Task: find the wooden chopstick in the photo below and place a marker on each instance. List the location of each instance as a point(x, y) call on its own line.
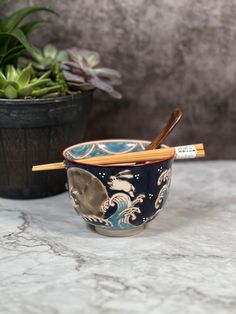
point(179, 152)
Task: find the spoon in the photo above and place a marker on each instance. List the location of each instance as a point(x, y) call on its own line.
point(160, 137)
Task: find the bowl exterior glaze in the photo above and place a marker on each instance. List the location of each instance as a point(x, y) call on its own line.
point(120, 198)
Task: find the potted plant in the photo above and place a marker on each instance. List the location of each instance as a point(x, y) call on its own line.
point(45, 99)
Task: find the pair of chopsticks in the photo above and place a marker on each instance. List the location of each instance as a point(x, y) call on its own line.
point(179, 152)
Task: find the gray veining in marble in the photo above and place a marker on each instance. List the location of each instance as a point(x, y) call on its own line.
point(184, 261)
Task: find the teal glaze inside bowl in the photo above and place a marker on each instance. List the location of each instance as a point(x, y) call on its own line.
point(103, 148)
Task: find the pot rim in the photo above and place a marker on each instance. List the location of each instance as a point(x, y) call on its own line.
point(36, 101)
point(113, 165)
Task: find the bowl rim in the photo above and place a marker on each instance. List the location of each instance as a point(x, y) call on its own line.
point(112, 165)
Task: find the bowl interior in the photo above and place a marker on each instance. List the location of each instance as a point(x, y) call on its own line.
point(103, 147)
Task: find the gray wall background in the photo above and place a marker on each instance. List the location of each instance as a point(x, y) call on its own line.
point(169, 53)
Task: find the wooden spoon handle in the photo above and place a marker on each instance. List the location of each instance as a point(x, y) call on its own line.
point(160, 137)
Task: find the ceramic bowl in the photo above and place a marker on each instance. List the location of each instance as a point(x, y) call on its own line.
point(118, 200)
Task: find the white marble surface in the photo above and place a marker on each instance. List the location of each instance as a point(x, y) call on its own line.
point(183, 262)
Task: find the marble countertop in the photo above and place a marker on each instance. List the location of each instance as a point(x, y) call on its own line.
point(183, 262)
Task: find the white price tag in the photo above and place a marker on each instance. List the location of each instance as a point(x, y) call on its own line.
point(185, 152)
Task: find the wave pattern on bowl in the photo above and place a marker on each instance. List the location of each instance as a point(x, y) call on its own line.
point(103, 148)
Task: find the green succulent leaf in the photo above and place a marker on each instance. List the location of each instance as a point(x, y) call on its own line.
point(40, 83)
point(11, 92)
point(13, 83)
point(29, 27)
point(13, 35)
point(52, 95)
point(2, 93)
point(12, 21)
point(48, 57)
point(23, 40)
point(50, 51)
point(16, 83)
point(20, 36)
point(25, 76)
point(62, 56)
point(44, 91)
point(4, 40)
point(59, 78)
point(11, 51)
point(3, 80)
point(45, 75)
point(11, 73)
point(12, 55)
point(26, 91)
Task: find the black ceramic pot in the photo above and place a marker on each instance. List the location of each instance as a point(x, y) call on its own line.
point(35, 131)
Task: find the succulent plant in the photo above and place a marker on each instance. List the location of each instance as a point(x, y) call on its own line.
point(81, 73)
point(49, 56)
point(13, 35)
point(49, 59)
point(17, 83)
point(51, 72)
point(59, 78)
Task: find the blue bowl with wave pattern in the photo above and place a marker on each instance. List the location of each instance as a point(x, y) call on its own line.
point(118, 200)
